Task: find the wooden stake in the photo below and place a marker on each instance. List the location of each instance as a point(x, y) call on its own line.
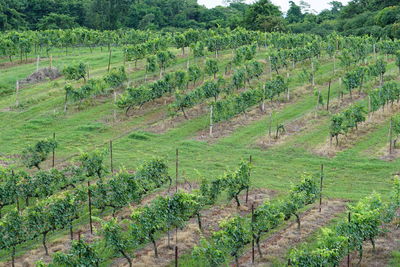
point(247, 190)
point(252, 230)
point(329, 95)
point(54, 151)
point(16, 94)
point(211, 121)
point(176, 170)
point(109, 60)
point(115, 101)
point(37, 62)
point(111, 157)
point(348, 250)
point(90, 208)
point(390, 136)
point(270, 125)
point(320, 190)
point(176, 256)
point(51, 61)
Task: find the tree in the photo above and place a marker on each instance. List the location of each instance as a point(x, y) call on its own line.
point(115, 240)
point(76, 72)
point(32, 156)
point(54, 21)
point(13, 232)
point(260, 11)
point(93, 163)
point(233, 236)
point(266, 217)
point(211, 67)
point(294, 14)
point(81, 253)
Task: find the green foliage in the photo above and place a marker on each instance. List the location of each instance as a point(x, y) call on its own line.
point(76, 72)
point(366, 219)
point(81, 253)
point(32, 156)
point(93, 163)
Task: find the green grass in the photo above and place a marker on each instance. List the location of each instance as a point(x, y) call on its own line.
point(352, 174)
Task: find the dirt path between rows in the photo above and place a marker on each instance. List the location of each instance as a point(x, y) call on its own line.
point(64, 243)
point(275, 247)
point(190, 235)
point(373, 122)
point(226, 128)
point(307, 122)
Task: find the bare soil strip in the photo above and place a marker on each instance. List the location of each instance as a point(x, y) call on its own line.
point(190, 235)
point(64, 243)
point(275, 247)
point(307, 122)
point(384, 245)
point(226, 128)
point(373, 122)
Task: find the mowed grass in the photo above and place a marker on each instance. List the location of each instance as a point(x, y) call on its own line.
point(352, 174)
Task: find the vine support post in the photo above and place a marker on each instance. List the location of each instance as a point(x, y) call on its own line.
point(37, 62)
point(390, 136)
point(211, 121)
point(109, 60)
point(270, 125)
point(54, 151)
point(176, 170)
point(16, 94)
point(252, 230)
point(111, 157)
point(51, 61)
point(247, 189)
point(176, 256)
point(320, 189)
point(115, 110)
point(329, 95)
point(348, 249)
point(90, 208)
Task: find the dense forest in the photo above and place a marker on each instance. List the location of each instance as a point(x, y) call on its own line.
point(378, 18)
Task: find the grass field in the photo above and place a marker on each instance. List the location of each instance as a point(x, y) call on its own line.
point(352, 174)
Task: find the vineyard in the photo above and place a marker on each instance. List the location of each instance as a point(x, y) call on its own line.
point(198, 148)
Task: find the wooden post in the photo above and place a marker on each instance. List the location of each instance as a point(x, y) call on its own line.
point(111, 157)
point(51, 61)
point(90, 208)
point(16, 94)
point(109, 60)
point(176, 256)
point(312, 73)
point(329, 95)
point(270, 125)
point(320, 189)
point(54, 151)
point(390, 136)
point(211, 121)
point(247, 190)
point(252, 230)
point(115, 101)
point(37, 62)
point(348, 250)
point(176, 170)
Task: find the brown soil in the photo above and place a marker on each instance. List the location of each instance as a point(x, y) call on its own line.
point(307, 122)
point(275, 247)
point(373, 122)
point(63, 243)
point(190, 235)
point(384, 246)
point(15, 62)
point(226, 128)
